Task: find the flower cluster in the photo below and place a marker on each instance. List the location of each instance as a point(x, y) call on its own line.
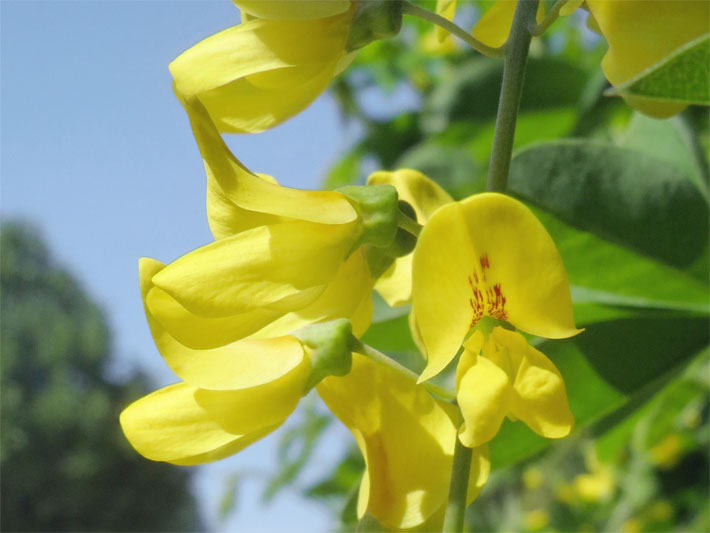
point(275, 305)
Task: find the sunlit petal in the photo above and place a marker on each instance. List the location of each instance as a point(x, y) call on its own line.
point(396, 425)
point(280, 267)
point(186, 425)
point(239, 200)
point(440, 290)
point(293, 9)
point(485, 395)
point(540, 399)
point(259, 73)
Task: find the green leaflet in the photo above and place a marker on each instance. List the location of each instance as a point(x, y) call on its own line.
point(623, 195)
point(683, 76)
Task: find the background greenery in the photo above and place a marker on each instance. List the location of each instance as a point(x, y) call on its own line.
point(65, 463)
point(625, 198)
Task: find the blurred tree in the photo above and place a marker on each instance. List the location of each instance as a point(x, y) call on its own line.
point(65, 464)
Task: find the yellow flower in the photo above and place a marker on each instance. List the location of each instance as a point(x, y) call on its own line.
point(407, 439)
point(505, 376)
point(282, 258)
point(425, 196)
point(255, 75)
point(194, 346)
point(232, 394)
point(667, 452)
point(596, 485)
point(536, 519)
point(187, 425)
point(642, 32)
point(487, 255)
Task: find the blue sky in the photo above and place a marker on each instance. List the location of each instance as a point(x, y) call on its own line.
point(98, 153)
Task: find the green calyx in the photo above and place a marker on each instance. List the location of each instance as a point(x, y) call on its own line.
point(329, 347)
point(486, 324)
point(380, 258)
point(377, 206)
point(373, 20)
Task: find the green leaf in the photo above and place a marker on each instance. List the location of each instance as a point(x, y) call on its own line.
point(605, 273)
point(531, 126)
point(619, 194)
point(683, 76)
point(472, 91)
point(670, 141)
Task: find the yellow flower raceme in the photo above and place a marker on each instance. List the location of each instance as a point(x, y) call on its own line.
point(640, 33)
point(504, 376)
point(255, 75)
point(487, 255)
point(407, 439)
point(425, 196)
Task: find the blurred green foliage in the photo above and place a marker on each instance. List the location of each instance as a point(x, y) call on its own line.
point(65, 463)
point(625, 198)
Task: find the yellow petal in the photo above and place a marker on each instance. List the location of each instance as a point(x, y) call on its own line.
point(235, 194)
point(259, 73)
point(199, 332)
point(425, 196)
point(186, 425)
point(237, 365)
point(487, 256)
point(493, 27)
point(659, 27)
point(485, 395)
point(348, 295)
point(395, 285)
point(396, 425)
point(293, 9)
point(282, 267)
point(441, 267)
point(225, 218)
point(416, 335)
point(447, 9)
point(540, 399)
point(413, 187)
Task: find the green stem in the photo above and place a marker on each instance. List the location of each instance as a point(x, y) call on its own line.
point(453, 29)
point(409, 225)
point(458, 486)
point(379, 357)
point(516, 57)
point(551, 17)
